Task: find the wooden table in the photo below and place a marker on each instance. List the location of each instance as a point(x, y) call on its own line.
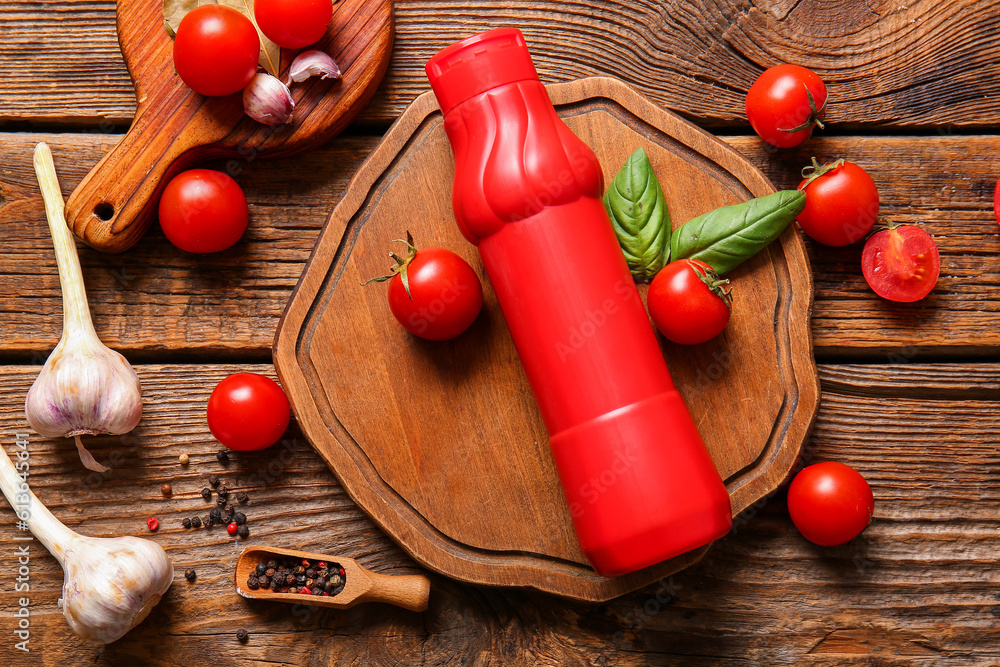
point(910, 392)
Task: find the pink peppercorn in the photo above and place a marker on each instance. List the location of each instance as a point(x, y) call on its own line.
point(232, 528)
point(152, 524)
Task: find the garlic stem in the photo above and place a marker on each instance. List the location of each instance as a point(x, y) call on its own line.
point(76, 313)
point(41, 522)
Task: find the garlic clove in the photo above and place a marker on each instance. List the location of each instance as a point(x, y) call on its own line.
point(267, 100)
point(111, 584)
point(313, 63)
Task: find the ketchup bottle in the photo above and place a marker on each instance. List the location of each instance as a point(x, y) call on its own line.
point(640, 485)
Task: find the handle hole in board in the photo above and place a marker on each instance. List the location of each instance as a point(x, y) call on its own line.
point(104, 211)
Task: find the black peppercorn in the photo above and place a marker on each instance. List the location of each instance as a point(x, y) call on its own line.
point(242, 635)
point(243, 498)
point(206, 493)
point(222, 455)
point(213, 480)
point(223, 490)
point(275, 584)
point(186, 522)
point(228, 509)
point(190, 575)
point(215, 515)
point(300, 580)
point(299, 570)
point(243, 531)
point(240, 518)
point(272, 564)
point(311, 573)
point(196, 522)
point(270, 572)
point(253, 583)
point(207, 520)
point(261, 569)
point(289, 580)
point(220, 501)
point(329, 586)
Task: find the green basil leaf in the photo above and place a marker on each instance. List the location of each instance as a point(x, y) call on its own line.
point(638, 212)
point(728, 236)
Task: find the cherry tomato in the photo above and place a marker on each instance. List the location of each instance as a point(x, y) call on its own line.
point(293, 23)
point(785, 103)
point(203, 210)
point(830, 503)
point(216, 50)
point(996, 202)
point(841, 204)
point(443, 296)
point(247, 412)
point(688, 302)
point(901, 263)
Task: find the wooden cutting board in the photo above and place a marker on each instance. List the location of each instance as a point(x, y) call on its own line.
point(441, 443)
point(175, 128)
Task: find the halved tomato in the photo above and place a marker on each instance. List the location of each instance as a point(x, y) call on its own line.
point(901, 263)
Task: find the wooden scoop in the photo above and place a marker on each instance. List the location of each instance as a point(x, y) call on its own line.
point(362, 585)
point(175, 128)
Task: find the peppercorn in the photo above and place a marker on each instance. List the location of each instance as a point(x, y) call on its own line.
point(300, 580)
point(232, 528)
point(299, 570)
point(310, 572)
point(261, 568)
point(253, 583)
point(220, 501)
point(222, 455)
point(240, 518)
point(196, 522)
point(264, 581)
point(223, 490)
point(329, 586)
point(166, 489)
point(215, 514)
point(213, 480)
point(186, 522)
point(242, 635)
point(317, 591)
point(242, 497)
point(321, 565)
point(335, 580)
point(190, 575)
point(272, 564)
point(270, 572)
point(152, 523)
point(207, 521)
point(243, 531)
point(275, 584)
point(184, 459)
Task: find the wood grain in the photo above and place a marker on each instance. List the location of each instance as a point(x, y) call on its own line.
point(887, 64)
point(155, 302)
point(175, 128)
point(917, 588)
point(408, 425)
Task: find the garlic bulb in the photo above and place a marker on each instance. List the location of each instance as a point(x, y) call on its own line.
point(84, 387)
point(267, 100)
point(110, 584)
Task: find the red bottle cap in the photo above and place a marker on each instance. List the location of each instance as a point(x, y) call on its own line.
point(477, 64)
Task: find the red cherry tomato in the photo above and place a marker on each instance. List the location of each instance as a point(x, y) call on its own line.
point(445, 295)
point(216, 50)
point(830, 503)
point(247, 412)
point(785, 103)
point(688, 302)
point(203, 210)
point(996, 202)
point(901, 263)
point(293, 23)
point(841, 204)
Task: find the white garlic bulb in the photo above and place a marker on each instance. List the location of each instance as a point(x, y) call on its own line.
point(110, 584)
point(84, 387)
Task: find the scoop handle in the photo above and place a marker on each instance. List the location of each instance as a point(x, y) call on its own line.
point(409, 591)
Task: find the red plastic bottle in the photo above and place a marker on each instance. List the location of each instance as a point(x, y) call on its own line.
point(640, 484)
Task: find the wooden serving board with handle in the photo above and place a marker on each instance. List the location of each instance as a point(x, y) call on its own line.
point(441, 443)
point(175, 128)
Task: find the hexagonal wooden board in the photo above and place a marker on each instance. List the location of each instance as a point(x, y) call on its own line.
point(441, 443)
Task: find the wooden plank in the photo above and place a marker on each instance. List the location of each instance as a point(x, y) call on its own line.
point(921, 585)
point(155, 301)
point(887, 64)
